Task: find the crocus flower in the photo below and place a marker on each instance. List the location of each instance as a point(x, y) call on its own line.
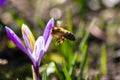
point(33, 49)
point(3, 2)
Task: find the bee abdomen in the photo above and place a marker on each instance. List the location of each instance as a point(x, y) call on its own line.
point(70, 36)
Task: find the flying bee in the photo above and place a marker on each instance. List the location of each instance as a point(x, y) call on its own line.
point(61, 34)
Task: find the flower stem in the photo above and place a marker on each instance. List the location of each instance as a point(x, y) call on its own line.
point(35, 72)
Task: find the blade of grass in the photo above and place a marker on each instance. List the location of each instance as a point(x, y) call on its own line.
point(69, 19)
point(67, 48)
point(97, 77)
point(83, 42)
point(82, 65)
point(66, 73)
point(44, 76)
point(82, 7)
point(87, 78)
point(73, 63)
point(80, 31)
point(20, 21)
point(41, 23)
point(58, 72)
point(103, 60)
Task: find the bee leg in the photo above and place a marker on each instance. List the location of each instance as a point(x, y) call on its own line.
point(63, 38)
point(60, 41)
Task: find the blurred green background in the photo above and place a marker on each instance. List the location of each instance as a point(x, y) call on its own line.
point(94, 55)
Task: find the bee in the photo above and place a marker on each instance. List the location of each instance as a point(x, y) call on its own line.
point(61, 34)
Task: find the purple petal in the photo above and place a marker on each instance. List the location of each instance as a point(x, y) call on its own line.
point(15, 39)
point(48, 42)
point(3, 2)
point(47, 30)
point(39, 47)
point(40, 56)
point(28, 38)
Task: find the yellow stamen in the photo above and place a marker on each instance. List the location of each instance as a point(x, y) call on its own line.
point(30, 38)
point(32, 41)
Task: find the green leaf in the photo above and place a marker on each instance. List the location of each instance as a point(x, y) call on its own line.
point(44, 76)
point(80, 30)
point(82, 7)
point(66, 73)
point(73, 63)
point(58, 72)
point(84, 60)
point(103, 60)
point(41, 23)
point(69, 19)
point(20, 21)
point(97, 77)
point(67, 51)
point(83, 42)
